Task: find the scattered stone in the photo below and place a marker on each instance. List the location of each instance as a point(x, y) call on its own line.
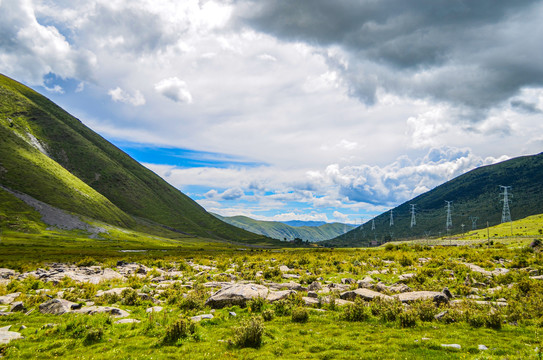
point(22, 327)
point(127, 321)
point(113, 311)
point(115, 291)
point(236, 294)
point(539, 277)
point(409, 297)
point(279, 295)
point(447, 293)
point(348, 281)
point(482, 347)
point(425, 339)
point(365, 283)
point(7, 336)
point(154, 309)
point(291, 276)
point(405, 277)
point(441, 315)
point(5, 328)
point(199, 318)
point(289, 286)
point(365, 294)
point(58, 306)
point(399, 288)
point(9, 298)
point(233, 314)
point(312, 294)
point(314, 286)
point(284, 268)
point(454, 346)
point(17, 306)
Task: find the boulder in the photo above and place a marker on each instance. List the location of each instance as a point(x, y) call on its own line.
point(279, 295)
point(347, 281)
point(399, 288)
point(9, 298)
point(409, 297)
point(17, 306)
point(405, 277)
point(113, 311)
point(115, 291)
point(314, 286)
point(199, 318)
point(284, 268)
point(236, 294)
point(288, 286)
point(154, 309)
point(58, 306)
point(365, 294)
point(7, 336)
point(127, 321)
point(365, 283)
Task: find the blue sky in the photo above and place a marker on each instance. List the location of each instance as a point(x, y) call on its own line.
point(282, 110)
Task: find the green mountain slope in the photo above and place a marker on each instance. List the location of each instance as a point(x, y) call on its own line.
point(281, 231)
point(476, 194)
point(52, 156)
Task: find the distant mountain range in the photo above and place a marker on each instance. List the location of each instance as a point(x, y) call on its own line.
point(476, 198)
point(282, 231)
point(51, 156)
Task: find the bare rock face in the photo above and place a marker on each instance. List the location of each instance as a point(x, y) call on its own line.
point(365, 294)
point(237, 294)
point(409, 297)
point(58, 306)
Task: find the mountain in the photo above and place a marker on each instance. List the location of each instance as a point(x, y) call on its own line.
point(477, 200)
point(281, 231)
point(51, 156)
point(299, 223)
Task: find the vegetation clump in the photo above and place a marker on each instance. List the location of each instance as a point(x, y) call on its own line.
point(249, 333)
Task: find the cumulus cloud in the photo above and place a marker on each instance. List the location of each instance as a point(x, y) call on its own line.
point(229, 194)
point(174, 89)
point(29, 50)
point(464, 53)
point(120, 95)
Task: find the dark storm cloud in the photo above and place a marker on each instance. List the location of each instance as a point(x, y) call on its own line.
point(474, 54)
point(526, 107)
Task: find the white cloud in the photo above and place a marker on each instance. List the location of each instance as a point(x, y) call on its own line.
point(174, 89)
point(120, 95)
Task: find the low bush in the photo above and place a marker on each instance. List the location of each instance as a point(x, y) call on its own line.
point(178, 330)
point(408, 318)
point(358, 311)
point(256, 305)
point(386, 310)
point(268, 314)
point(249, 333)
point(300, 315)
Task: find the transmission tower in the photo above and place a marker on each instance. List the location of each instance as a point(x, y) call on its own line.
point(473, 222)
point(391, 217)
point(373, 224)
point(413, 220)
point(506, 213)
point(448, 225)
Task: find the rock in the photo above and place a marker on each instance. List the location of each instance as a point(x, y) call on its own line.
point(409, 297)
point(291, 276)
point(365, 283)
point(199, 318)
point(314, 286)
point(233, 314)
point(289, 286)
point(312, 294)
point(127, 321)
point(17, 306)
point(9, 298)
point(482, 347)
point(58, 306)
point(454, 346)
point(7, 336)
point(115, 291)
point(7, 273)
point(216, 284)
point(365, 294)
point(441, 315)
point(309, 301)
point(154, 309)
point(447, 293)
point(279, 295)
point(284, 268)
point(113, 311)
point(405, 277)
point(22, 327)
point(399, 288)
point(5, 328)
point(347, 281)
point(237, 294)
point(539, 277)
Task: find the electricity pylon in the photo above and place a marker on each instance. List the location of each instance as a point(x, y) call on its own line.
point(413, 219)
point(506, 213)
point(448, 225)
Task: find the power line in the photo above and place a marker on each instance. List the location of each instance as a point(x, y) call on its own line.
point(506, 213)
point(413, 219)
point(448, 225)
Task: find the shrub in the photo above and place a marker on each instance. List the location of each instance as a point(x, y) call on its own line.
point(268, 314)
point(282, 307)
point(256, 305)
point(408, 318)
point(179, 329)
point(249, 334)
point(475, 319)
point(93, 336)
point(425, 310)
point(358, 311)
point(300, 315)
point(130, 297)
point(494, 320)
point(385, 309)
point(405, 261)
point(193, 301)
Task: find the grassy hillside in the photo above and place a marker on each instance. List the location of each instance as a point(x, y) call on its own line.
point(474, 194)
point(281, 231)
point(52, 156)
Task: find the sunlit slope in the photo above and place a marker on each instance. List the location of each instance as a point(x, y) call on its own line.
point(476, 194)
point(278, 230)
point(52, 156)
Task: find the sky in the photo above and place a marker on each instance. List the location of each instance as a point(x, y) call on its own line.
point(280, 110)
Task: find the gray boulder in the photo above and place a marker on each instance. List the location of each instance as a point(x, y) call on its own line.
point(7, 336)
point(314, 286)
point(279, 295)
point(9, 298)
point(17, 306)
point(365, 294)
point(237, 294)
point(113, 311)
point(409, 297)
point(58, 306)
